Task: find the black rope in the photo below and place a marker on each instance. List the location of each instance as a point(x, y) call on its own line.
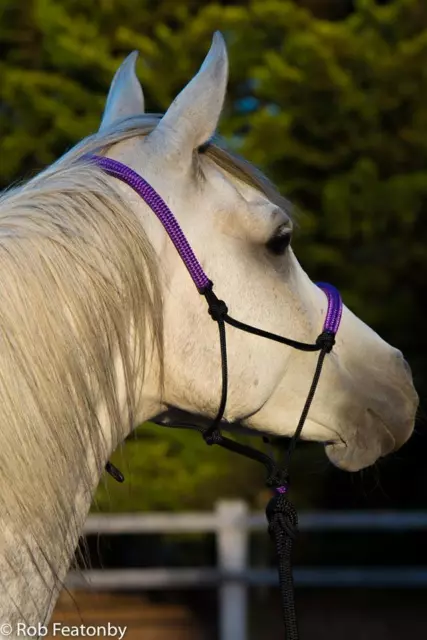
point(218, 309)
point(213, 429)
point(114, 472)
point(327, 343)
point(283, 529)
point(302, 346)
point(218, 312)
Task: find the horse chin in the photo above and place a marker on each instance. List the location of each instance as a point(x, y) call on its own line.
point(350, 457)
point(361, 448)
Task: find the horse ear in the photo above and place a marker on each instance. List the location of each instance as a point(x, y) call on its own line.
point(125, 97)
point(193, 116)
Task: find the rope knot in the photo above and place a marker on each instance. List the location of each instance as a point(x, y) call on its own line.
point(277, 478)
point(326, 341)
point(217, 309)
point(212, 437)
point(282, 517)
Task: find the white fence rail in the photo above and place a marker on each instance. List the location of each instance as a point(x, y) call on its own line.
point(232, 523)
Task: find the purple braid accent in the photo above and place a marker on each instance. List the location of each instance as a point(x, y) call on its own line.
point(156, 203)
point(334, 313)
point(282, 489)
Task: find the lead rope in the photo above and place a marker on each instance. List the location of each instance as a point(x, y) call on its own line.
point(282, 518)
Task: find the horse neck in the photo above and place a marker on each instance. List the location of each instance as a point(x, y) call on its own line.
point(33, 567)
point(32, 570)
point(34, 560)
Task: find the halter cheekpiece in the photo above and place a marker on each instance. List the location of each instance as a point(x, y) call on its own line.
point(281, 514)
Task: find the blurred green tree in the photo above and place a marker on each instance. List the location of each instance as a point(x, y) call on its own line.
point(332, 110)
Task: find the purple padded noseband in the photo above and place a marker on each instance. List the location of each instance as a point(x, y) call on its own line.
point(334, 312)
point(127, 175)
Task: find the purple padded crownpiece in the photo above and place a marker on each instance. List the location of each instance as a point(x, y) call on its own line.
point(159, 207)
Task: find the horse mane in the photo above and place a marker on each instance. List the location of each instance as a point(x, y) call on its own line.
point(79, 291)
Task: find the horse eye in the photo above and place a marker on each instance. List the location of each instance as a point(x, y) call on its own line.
point(280, 241)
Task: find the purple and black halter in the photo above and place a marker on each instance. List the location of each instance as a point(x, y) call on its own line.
point(281, 514)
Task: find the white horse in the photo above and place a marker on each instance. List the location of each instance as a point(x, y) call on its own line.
point(101, 327)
